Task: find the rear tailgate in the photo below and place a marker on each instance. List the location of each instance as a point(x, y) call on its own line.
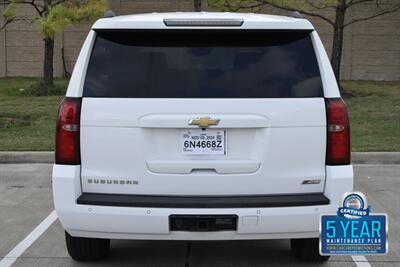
point(144, 89)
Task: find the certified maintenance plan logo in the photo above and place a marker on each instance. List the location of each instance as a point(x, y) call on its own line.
point(353, 230)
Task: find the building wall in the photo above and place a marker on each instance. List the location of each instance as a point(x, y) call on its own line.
point(371, 49)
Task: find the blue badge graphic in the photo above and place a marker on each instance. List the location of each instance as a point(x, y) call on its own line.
point(353, 230)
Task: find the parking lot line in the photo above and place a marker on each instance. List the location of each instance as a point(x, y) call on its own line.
point(361, 261)
point(17, 251)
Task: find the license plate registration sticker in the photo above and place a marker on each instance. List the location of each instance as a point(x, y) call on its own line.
point(204, 142)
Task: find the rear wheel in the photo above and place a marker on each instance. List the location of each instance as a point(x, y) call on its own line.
point(86, 249)
point(307, 249)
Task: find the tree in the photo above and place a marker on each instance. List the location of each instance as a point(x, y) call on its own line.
point(52, 16)
point(319, 9)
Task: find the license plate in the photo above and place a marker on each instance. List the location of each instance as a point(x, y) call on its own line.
point(203, 142)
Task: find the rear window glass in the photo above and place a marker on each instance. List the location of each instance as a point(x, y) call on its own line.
point(203, 64)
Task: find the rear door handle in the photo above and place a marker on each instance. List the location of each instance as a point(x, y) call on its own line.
point(188, 166)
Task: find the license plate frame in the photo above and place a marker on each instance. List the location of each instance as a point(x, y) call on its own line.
point(204, 142)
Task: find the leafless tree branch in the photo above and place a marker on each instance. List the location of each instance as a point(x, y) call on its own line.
point(392, 10)
point(21, 18)
point(38, 7)
point(356, 2)
point(5, 24)
point(316, 6)
point(305, 12)
point(238, 7)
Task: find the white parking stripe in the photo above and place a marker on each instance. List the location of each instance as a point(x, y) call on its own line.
point(361, 261)
point(11, 257)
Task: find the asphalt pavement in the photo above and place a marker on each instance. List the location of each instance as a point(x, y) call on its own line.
point(26, 200)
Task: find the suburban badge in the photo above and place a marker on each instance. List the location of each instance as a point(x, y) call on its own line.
point(112, 181)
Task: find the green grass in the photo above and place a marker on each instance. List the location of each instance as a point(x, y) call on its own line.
point(28, 122)
point(374, 111)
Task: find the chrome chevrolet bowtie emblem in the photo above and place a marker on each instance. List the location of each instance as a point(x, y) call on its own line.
point(204, 122)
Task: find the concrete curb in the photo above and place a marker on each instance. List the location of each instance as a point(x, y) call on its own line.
point(27, 157)
point(375, 157)
point(48, 157)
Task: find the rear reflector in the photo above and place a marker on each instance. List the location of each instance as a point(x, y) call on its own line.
point(338, 132)
point(203, 22)
point(67, 134)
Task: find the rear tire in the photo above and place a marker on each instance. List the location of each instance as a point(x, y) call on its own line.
point(87, 249)
point(307, 250)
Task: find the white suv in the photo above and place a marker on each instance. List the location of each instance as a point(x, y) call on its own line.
point(200, 126)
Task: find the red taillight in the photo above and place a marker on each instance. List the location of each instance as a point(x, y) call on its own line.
point(67, 135)
point(338, 132)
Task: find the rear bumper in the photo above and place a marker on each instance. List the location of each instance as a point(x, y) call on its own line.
point(127, 222)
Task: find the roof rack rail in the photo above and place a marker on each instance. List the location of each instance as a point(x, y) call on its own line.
point(109, 14)
point(296, 15)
